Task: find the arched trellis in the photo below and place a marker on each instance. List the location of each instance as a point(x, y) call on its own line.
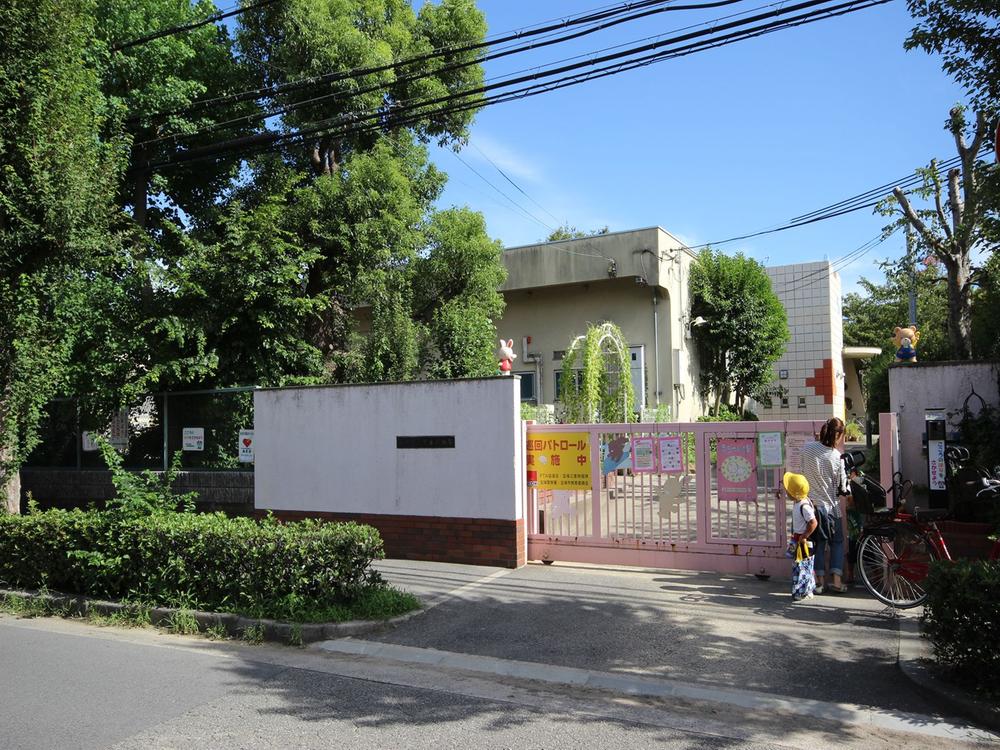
point(592, 399)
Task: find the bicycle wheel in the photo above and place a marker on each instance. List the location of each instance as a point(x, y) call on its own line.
point(893, 568)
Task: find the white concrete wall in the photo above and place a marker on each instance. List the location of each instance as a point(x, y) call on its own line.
point(333, 449)
point(915, 388)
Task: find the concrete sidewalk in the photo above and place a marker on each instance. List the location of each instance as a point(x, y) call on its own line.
point(719, 632)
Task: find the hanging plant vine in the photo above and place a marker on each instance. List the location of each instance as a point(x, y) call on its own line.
point(603, 354)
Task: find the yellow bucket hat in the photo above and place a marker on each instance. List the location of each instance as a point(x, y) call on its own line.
point(796, 485)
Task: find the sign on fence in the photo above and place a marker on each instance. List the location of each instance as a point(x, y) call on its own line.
point(246, 446)
point(559, 461)
point(193, 438)
point(737, 462)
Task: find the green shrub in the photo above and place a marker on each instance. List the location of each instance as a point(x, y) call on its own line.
point(199, 561)
point(962, 619)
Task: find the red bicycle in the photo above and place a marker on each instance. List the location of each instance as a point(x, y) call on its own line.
point(897, 547)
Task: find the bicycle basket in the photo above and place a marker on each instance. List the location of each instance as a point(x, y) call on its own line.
point(869, 495)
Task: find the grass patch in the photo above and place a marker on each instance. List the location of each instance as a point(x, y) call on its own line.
point(373, 603)
point(28, 606)
point(216, 632)
point(183, 622)
point(254, 635)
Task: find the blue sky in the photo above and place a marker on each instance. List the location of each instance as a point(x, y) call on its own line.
point(714, 145)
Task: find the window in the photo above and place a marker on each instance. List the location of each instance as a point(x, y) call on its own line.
point(528, 386)
point(557, 379)
point(768, 403)
point(802, 402)
point(784, 403)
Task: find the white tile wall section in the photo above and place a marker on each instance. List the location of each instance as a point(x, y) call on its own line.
point(810, 293)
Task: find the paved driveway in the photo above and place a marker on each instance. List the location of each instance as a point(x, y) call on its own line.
point(718, 630)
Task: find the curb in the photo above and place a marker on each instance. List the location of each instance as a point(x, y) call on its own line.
point(915, 661)
point(291, 633)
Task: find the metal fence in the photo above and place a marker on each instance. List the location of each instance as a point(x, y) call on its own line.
point(641, 508)
point(210, 429)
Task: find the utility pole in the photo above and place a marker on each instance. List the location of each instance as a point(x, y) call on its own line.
point(911, 267)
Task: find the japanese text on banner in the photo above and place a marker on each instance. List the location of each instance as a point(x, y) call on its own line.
point(559, 460)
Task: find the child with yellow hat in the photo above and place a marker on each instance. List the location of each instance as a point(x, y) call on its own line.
point(803, 525)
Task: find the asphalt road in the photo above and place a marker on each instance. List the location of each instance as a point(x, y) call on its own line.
point(69, 684)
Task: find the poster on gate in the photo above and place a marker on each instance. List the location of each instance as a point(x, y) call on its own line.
point(559, 460)
point(794, 441)
point(643, 455)
point(736, 459)
point(671, 455)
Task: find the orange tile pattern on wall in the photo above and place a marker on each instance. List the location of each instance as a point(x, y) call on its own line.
point(822, 381)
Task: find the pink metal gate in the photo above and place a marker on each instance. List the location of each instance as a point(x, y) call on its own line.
point(656, 496)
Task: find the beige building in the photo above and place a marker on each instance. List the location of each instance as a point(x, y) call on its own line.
point(638, 280)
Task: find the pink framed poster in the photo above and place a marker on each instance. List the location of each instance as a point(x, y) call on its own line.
point(736, 459)
point(643, 457)
point(671, 455)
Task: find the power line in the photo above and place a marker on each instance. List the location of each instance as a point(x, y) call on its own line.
point(399, 116)
point(483, 178)
point(838, 265)
point(504, 175)
point(427, 73)
point(253, 94)
point(216, 17)
point(848, 205)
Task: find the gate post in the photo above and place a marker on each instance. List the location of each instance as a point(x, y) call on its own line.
point(595, 479)
point(703, 482)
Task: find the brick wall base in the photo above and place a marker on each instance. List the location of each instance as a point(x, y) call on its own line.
point(472, 541)
point(228, 491)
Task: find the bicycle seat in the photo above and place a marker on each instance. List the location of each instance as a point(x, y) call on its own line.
point(883, 513)
point(930, 514)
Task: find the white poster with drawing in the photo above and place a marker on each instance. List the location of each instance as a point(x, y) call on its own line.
point(193, 439)
point(246, 446)
point(769, 449)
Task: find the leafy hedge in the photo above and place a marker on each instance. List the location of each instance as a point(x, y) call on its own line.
point(962, 619)
point(198, 561)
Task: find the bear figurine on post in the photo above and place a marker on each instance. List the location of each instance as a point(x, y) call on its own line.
point(906, 343)
point(507, 356)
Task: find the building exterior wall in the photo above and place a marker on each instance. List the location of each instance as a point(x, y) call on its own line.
point(812, 368)
point(333, 452)
point(636, 279)
point(921, 386)
point(554, 290)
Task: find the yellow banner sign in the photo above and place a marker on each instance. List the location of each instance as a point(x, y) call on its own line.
point(559, 460)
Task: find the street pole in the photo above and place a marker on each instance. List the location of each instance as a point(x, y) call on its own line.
point(911, 267)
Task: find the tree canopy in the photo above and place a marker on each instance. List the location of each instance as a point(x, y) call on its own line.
point(233, 205)
point(57, 223)
point(966, 33)
point(746, 328)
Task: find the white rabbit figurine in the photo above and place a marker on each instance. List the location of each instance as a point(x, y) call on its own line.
point(507, 356)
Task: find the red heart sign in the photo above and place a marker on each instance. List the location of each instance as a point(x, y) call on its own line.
point(246, 442)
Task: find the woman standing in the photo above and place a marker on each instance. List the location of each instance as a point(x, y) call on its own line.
point(822, 467)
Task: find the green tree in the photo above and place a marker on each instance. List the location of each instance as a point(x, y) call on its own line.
point(57, 219)
point(952, 228)
point(567, 232)
point(965, 34)
point(746, 329)
point(871, 314)
point(155, 84)
point(302, 40)
point(456, 283)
